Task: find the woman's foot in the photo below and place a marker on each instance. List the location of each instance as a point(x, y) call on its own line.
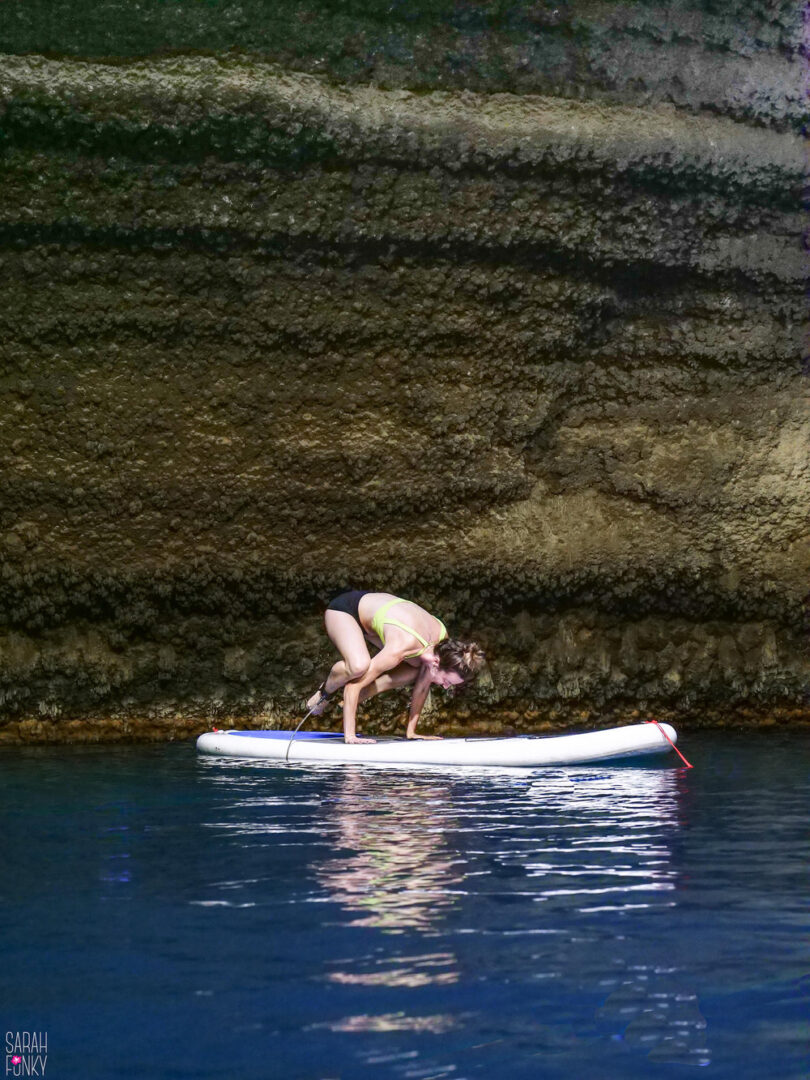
point(318, 702)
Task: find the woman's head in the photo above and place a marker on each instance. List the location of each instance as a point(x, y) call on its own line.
point(457, 662)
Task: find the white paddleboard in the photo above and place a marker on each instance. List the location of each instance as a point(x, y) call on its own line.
point(523, 751)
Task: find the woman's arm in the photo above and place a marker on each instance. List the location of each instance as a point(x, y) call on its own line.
point(385, 660)
point(418, 698)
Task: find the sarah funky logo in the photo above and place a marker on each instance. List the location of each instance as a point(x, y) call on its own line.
point(26, 1053)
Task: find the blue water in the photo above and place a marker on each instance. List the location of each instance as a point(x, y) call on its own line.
point(164, 916)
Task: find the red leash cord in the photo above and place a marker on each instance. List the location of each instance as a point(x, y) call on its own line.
point(671, 743)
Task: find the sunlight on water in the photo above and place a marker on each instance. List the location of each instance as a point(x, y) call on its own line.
point(405, 853)
point(618, 922)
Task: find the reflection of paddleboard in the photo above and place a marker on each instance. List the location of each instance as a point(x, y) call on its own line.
point(524, 750)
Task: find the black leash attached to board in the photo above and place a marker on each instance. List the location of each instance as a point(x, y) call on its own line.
point(311, 711)
point(289, 744)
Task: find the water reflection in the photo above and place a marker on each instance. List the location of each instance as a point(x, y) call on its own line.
point(115, 842)
point(397, 873)
point(655, 1011)
point(387, 1022)
point(610, 852)
point(556, 877)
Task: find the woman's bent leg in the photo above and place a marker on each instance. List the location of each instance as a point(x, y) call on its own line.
point(345, 633)
point(401, 675)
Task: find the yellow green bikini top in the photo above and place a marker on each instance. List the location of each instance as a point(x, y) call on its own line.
point(379, 621)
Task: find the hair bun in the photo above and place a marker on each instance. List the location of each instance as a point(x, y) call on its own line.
point(465, 657)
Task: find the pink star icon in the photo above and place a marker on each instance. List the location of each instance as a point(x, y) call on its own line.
point(16, 1059)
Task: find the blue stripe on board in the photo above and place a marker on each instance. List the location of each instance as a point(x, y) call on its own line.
point(287, 734)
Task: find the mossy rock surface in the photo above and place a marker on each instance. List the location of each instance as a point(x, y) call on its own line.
point(519, 340)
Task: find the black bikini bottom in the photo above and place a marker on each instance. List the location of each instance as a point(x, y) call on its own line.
point(349, 602)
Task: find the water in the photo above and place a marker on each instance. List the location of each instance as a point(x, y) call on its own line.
point(168, 917)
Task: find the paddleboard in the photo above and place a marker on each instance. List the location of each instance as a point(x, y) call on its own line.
point(522, 751)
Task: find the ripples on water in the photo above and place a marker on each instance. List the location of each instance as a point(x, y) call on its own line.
point(321, 921)
point(495, 866)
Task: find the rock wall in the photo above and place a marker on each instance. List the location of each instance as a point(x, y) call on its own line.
point(501, 307)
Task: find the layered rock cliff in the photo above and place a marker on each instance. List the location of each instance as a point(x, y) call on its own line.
point(517, 335)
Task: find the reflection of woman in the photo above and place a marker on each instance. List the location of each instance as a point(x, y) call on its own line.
point(394, 870)
point(413, 650)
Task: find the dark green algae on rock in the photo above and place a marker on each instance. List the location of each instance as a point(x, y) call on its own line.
point(413, 311)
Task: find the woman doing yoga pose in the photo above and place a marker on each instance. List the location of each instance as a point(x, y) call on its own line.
point(414, 649)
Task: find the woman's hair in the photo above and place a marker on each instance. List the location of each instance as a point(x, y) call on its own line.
point(465, 657)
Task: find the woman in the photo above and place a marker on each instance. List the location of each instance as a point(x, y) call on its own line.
point(413, 650)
